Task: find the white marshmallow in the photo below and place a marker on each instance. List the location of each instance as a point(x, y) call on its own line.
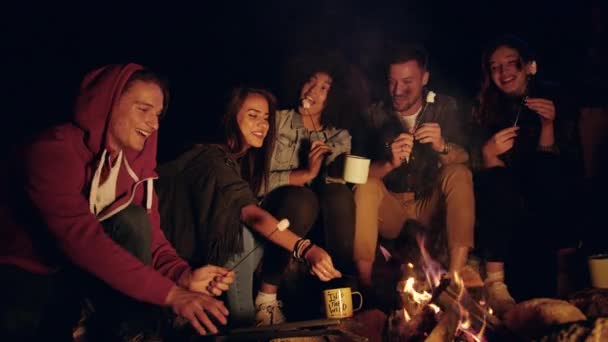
point(283, 225)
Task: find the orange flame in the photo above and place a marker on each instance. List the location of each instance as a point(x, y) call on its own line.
point(417, 297)
point(465, 323)
point(406, 316)
point(433, 273)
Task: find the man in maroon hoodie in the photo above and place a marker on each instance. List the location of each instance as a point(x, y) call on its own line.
point(82, 195)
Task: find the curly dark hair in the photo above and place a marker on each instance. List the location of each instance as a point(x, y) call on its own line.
point(255, 164)
point(489, 94)
point(348, 96)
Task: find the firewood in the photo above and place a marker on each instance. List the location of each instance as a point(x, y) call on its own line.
point(445, 328)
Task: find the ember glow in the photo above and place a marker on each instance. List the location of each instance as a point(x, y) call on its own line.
point(435, 308)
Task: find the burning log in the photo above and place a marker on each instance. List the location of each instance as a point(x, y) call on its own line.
point(446, 328)
point(416, 328)
point(450, 296)
point(448, 313)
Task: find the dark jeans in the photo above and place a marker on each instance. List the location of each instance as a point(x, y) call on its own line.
point(536, 206)
point(524, 217)
point(336, 223)
point(331, 207)
point(499, 212)
point(48, 306)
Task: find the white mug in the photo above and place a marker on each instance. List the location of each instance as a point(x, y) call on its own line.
point(356, 169)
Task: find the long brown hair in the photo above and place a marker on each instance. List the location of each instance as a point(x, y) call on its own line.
point(255, 164)
point(489, 95)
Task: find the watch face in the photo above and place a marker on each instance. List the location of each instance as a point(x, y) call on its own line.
point(446, 148)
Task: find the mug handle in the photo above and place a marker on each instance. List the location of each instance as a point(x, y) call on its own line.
point(360, 299)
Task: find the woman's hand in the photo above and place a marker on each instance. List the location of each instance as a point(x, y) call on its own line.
point(211, 280)
point(321, 264)
point(498, 144)
point(315, 157)
point(545, 108)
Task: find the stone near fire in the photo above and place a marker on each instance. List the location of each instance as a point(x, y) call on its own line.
point(592, 302)
point(368, 324)
point(535, 317)
point(585, 331)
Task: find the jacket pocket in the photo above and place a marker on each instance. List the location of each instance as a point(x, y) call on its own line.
point(284, 150)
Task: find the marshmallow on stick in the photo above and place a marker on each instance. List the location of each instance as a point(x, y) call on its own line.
point(282, 225)
point(306, 102)
point(430, 98)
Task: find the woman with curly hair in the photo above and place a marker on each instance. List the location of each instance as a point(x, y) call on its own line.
point(306, 166)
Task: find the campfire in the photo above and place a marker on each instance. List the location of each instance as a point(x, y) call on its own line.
point(433, 306)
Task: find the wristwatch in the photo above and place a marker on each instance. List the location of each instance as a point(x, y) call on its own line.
point(446, 148)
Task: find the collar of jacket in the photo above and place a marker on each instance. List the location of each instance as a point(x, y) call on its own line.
point(296, 120)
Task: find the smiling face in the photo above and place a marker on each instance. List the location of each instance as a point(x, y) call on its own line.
point(314, 92)
point(252, 120)
point(134, 116)
point(508, 71)
point(405, 84)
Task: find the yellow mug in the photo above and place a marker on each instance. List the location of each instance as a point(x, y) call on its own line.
point(598, 269)
point(339, 302)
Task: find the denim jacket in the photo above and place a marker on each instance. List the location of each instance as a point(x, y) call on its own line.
point(293, 144)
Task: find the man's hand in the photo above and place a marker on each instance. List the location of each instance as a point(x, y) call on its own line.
point(315, 157)
point(321, 264)
point(401, 148)
point(545, 108)
point(210, 280)
point(195, 307)
point(430, 133)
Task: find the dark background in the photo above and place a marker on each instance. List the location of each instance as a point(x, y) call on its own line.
point(208, 48)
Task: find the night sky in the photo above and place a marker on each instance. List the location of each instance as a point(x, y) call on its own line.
point(206, 49)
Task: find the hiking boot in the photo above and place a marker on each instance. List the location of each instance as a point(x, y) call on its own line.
point(499, 298)
point(269, 313)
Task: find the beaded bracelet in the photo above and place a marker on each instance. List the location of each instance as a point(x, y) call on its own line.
point(299, 247)
point(296, 247)
point(303, 246)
